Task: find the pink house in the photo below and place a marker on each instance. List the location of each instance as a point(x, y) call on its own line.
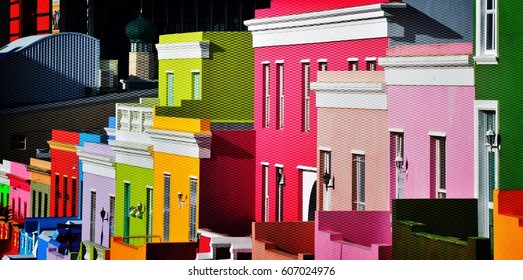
point(20, 190)
point(430, 120)
point(293, 40)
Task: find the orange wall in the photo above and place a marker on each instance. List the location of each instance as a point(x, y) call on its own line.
point(508, 224)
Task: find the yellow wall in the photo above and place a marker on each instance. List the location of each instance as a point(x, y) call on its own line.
point(180, 167)
point(508, 234)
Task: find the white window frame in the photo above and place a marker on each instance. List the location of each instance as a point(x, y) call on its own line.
point(279, 194)
point(352, 63)
point(358, 161)
point(170, 87)
point(196, 85)
point(484, 55)
point(440, 158)
point(322, 64)
point(193, 202)
point(306, 71)
point(266, 94)
point(265, 186)
point(399, 139)
point(281, 99)
point(327, 168)
point(371, 63)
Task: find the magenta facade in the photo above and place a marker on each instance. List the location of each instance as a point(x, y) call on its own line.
point(291, 148)
point(20, 190)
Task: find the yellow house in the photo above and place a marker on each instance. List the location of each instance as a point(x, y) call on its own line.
point(179, 146)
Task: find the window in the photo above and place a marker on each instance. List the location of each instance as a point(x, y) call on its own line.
point(66, 197)
point(166, 205)
point(371, 63)
point(397, 140)
point(127, 205)
point(73, 194)
point(266, 95)
point(280, 182)
point(92, 226)
point(352, 63)
point(149, 215)
point(322, 64)
point(281, 100)
point(358, 181)
point(192, 209)
point(170, 88)
point(196, 84)
point(326, 171)
point(57, 193)
point(33, 203)
point(46, 201)
point(18, 142)
point(306, 95)
point(112, 212)
point(489, 20)
point(265, 192)
point(39, 204)
point(438, 166)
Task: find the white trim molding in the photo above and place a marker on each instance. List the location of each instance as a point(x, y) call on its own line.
point(357, 152)
point(279, 61)
point(483, 56)
point(264, 163)
point(363, 22)
point(451, 70)
point(97, 164)
point(307, 168)
point(352, 59)
point(278, 165)
point(183, 50)
point(196, 145)
point(322, 60)
point(350, 95)
point(131, 153)
point(396, 130)
point(437, 133)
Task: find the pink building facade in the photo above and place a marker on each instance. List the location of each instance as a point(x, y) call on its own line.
point(20, 191)
point(291, 46)
point(430, 120)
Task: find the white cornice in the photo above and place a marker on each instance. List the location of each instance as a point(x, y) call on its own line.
point(320, 87)
point(352, 23)
point(181, 143)
point(131, 153)
point(97, 164)
point(95, 159)
point(183, 50)
point(426, 61)
point(372, 101)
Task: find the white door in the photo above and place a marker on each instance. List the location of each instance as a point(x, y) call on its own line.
point(308, 193)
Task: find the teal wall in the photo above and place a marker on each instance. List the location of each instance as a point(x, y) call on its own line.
point(139, 178)
point(227, 78)
point(504, 82)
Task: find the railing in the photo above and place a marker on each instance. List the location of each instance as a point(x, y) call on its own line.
point(133, 117)
point(132, 240)
point(92, 251)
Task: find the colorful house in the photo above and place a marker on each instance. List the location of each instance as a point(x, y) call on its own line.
point(99, 202)
point(496, 114)
point(40, 176)
point(5, 184)
point(353, 170)
point(20, 191)
point(293, 42)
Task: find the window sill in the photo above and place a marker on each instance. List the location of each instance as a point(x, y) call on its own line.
point(486, 59)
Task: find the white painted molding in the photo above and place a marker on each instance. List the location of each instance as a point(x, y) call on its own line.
point(322, 60)
point(357, 152)
point(305, 61)
point(437, 133)
point(280, 61)
point(166, 173)
point(193, 177)
point(278, 165)
point(264, 163)
point(169, 71)
point(435, 76)
point(351, 59)
point(324, 26)
point(195, 71)
point(131, 153)
point(325, 149)
point(320, 87)
point(425, 61)
point(265, 62)
point(397, 130)
point(352, 101)
point(181, 143)
point(307, 168)
point(183, 50)
point(97, 164)
point(373, 58)
point(486, 59)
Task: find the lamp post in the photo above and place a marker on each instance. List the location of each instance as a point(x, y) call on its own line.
point(102, 215)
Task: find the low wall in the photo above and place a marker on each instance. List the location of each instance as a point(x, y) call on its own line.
point(282, 240)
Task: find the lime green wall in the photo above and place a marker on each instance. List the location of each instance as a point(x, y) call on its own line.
point(139, 178)
point(503, 82)
point(227, 78)
point(4, 192)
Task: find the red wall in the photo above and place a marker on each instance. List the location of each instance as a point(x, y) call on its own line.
point(289, 7)
point(64, 163)
point(43, 15)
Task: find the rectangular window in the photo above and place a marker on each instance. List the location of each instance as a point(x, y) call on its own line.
point(127, 205)
point(266, 95)
point(438, 166)
point(33, 203)
point(281, 100)
point(489, 15)
point(192, 209)
point(322, 65)
point(39, 204)
point(280, 183)
point(358, 182)
point(265, 193)
point(18, 142)
point(352, 64)
point(306, 96)
point(112, 212)
point(196, 84)
point(371, 63)
point(66, 197)
point(399, 161)
point(25, 209)
point(19, 206)
point(73, 198)
point(166, 205)
point(57, 194)
point(92, 227)
point(46, 201)
point(326, 175)
point(170, 88)
point(149, 213)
